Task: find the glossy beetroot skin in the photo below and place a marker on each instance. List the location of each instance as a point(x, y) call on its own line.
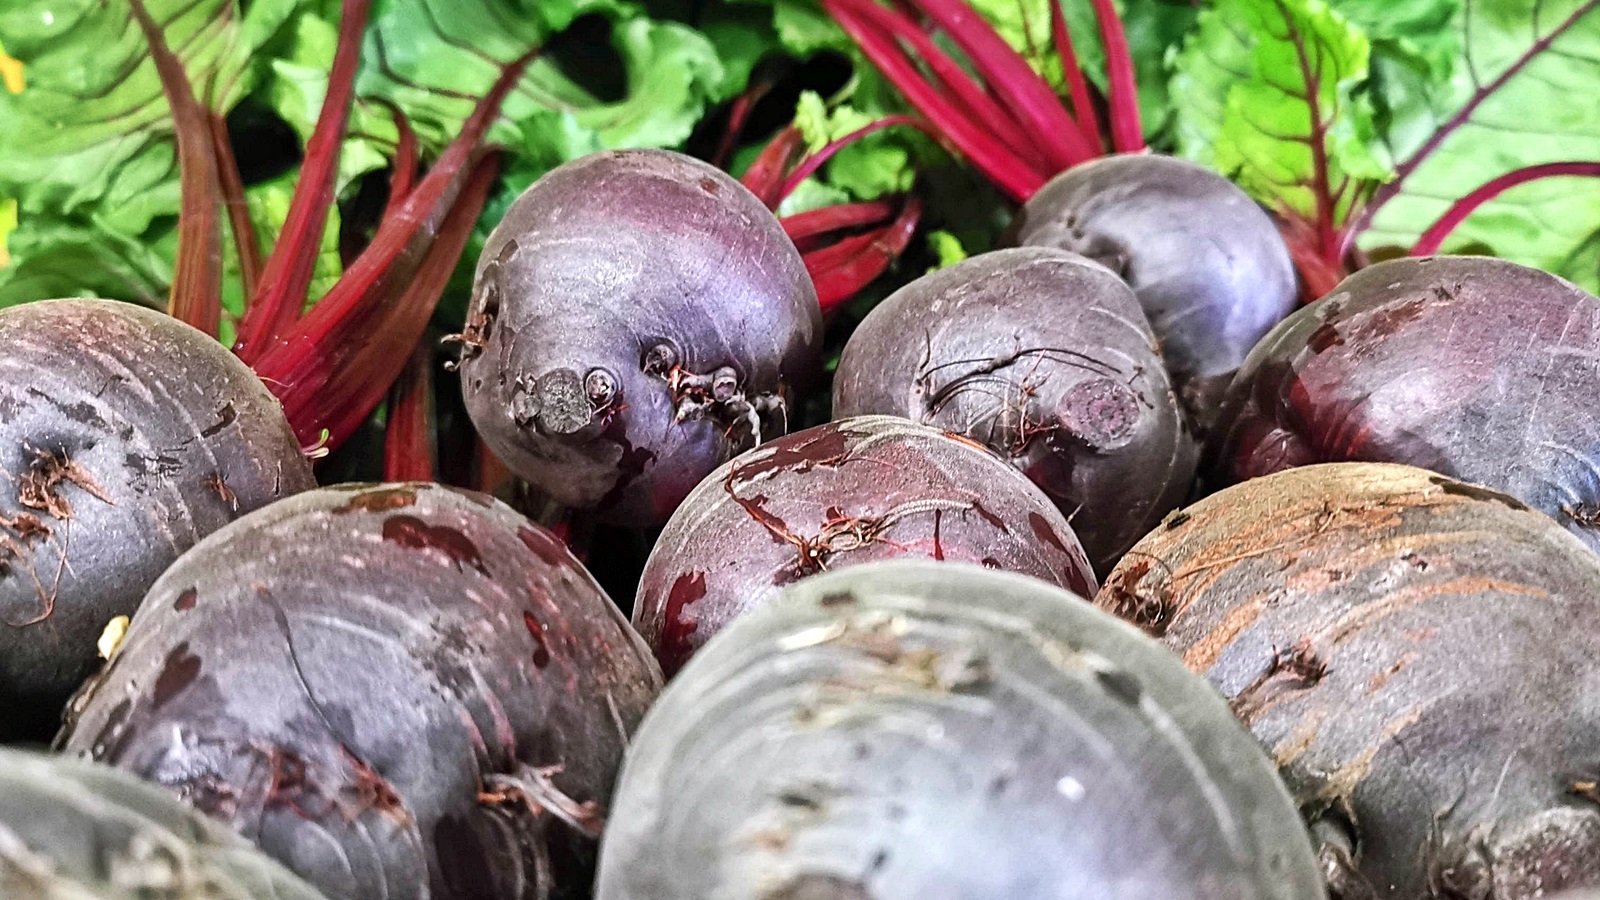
point(638, 318)
point(842, 494)
point(1473, 367)
point(401, 691)
point(1045, 357)
point(125, 437)
point(1208, 265)
point(1419, 656)
point(910, 730)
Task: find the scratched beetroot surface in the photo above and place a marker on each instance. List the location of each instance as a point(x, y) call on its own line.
point(1470, 366)
point(1206, 262)
point(1045, 357)
point(849, 492)
point(400, 691)
point(125, 437)
point(1418, 656)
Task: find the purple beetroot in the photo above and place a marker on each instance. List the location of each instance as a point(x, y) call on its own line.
point(842, 494)
point(1207, 263)
point(1473, 367)
point(401, 691)
point(125, 437)
point(1045, 357)
point(638, 318)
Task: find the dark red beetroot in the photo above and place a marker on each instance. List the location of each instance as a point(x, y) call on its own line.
point(1473, 367)
point(1418, 654)
point(401, 691)
point(1207, 263)
point(909, 730)
point(1045, 357)
point(842, 494)
point(638, 318)
point(125, 437)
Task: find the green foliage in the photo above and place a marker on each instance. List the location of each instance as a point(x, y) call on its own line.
point(1511, 101)
point(1268, 94)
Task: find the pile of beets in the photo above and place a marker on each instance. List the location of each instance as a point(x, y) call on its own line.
point(1112, 575)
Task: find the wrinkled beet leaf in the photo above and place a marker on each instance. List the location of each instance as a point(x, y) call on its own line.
point(1434, 125)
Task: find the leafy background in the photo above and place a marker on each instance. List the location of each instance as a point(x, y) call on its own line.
point(1363, 117)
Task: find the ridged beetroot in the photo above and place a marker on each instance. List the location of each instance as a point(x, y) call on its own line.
point(401, 691)
point(842, 494)
point(1419, 656)
point(71, 830)
point(1045, 357)
point(638, 318)
point(125, 437)
point(909, 730)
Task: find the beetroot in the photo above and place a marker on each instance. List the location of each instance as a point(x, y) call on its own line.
point(1045, 357)
point(908, 730)
point(125, 437)
point(1209, 266)
point(842, 494)
point(400, 691)
point(1476, 368)
point(75, 831)
point(1418, 655)
point(638, 318)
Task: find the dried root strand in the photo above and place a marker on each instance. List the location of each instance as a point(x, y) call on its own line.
point(534, 787)
point(37, 488)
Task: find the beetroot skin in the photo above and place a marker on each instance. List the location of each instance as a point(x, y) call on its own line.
point(401, 691)
point(1208, 264)
point(1419, 656)
point(911, 730)
point(71, 830)
point(842, 494)
point(1045, 357)
point(1476, 368)
point(638, 318)
point(125, 437)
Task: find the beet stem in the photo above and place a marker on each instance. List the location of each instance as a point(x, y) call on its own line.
point(245, 240)
point(286, 279)
point(1016, 177)
point(1127, 134)
point(366, 351)
point(975, 102)
point(196, 295)
point(408, 448)
point(845, 216)
point(1013, 81)
point(764, 178)
point(404, 176)
point(318, 352)
point(738, 117)
point(841, 270)
point(1432, 239)
point(812, 163)
point(1077, 88)
point(1328, 240)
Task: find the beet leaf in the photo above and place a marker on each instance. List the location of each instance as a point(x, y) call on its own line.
point(1365, 123)
point(1512, 103)
point(1267, 92)
point(87, 145)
